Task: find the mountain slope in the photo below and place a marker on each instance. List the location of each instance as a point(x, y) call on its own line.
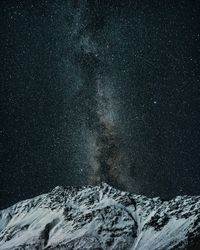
point(100, 218)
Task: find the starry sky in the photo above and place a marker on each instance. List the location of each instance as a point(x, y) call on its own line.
point(97, 91)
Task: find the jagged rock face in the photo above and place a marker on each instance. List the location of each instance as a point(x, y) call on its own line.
point(100, 218)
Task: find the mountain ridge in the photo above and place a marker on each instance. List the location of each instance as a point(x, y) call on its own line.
point(100, 217)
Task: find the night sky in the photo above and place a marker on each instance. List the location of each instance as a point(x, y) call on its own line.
point(97, 91)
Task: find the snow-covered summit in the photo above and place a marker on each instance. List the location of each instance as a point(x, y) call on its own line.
point(100, 218)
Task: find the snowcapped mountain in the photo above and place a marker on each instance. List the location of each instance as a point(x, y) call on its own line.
point(100, 218)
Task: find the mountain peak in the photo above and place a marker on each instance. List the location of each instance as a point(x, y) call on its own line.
point(100, 217)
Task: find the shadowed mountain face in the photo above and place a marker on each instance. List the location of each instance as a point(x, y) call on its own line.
point(100, 217)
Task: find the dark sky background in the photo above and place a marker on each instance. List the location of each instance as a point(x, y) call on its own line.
point(145, 54)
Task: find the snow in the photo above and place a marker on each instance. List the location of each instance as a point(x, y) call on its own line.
point(100, 217)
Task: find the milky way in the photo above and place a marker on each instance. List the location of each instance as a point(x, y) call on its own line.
point(108, 160)
point(106, 157)
point(98, 91)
